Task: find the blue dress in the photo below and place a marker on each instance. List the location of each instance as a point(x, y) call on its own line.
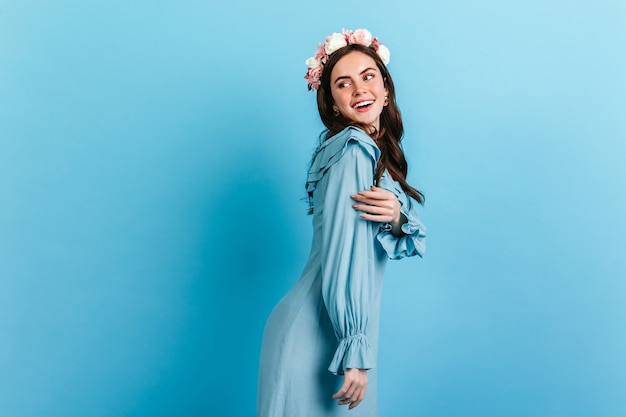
point(328, 321)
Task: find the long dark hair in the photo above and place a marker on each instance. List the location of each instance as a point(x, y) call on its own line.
point(391, 128)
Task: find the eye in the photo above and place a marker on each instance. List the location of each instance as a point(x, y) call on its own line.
point(343, 84)
point(368, 77)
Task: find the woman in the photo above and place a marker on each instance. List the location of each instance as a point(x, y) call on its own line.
point(364, 212)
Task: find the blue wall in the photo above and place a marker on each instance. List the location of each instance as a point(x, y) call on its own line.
point(152, 161)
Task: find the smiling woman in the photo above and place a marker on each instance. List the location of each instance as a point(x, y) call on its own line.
point(364, 213)
point(358, 89)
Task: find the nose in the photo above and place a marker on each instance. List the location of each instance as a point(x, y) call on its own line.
point(358, 89)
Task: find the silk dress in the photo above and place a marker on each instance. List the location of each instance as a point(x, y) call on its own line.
point(329, 320)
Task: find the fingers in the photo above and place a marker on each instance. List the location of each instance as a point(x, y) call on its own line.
point(377, 205)
point(381, 204)
point(375, 214)
point(379, 198)
point(352, 391)
point(355, 398)
point(360, 398)
point(353, 395)
point(375, 193)
point(373, 209)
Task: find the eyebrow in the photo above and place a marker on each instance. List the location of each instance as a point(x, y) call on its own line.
point(361, 73)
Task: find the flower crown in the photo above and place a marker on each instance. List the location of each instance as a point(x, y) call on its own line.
point(337, 41)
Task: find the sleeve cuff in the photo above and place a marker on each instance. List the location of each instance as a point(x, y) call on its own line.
point(352, 352)
point(412, 243)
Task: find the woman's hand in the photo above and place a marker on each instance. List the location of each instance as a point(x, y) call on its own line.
point(380, 206)
point(353, 389)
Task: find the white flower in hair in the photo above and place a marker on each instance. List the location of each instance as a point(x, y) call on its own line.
point(334, 42)
point(383, 53)
point(313, 62)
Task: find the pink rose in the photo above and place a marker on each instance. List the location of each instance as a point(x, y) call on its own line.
point(361, 37)
point(320, 54)
point(316, 72)
point(313, 76)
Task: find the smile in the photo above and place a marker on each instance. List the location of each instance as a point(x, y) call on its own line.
point(363, 104)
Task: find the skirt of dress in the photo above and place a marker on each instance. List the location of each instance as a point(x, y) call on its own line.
point(298, 344)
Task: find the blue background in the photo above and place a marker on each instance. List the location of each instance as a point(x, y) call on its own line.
point(152, 166)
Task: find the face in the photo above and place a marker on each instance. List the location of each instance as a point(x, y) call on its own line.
point(358, 88)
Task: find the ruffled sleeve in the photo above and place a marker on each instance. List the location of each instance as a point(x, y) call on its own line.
point(413, 242)
point(343, 166)
point(333, 149)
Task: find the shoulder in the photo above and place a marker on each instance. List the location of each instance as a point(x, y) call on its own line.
point(334, 149)
point(350, 135)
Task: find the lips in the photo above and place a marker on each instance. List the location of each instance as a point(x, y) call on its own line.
point(362, 105)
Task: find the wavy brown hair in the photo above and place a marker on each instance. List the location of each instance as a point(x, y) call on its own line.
point(391, 128)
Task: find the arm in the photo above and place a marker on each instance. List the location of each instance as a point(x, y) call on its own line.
point(390, 204)
point(347, 252)
point(348, 280)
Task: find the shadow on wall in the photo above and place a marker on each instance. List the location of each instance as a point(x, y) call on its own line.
point(242, 257)
point(248, 241)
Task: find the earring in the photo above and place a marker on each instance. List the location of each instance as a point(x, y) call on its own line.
point(386, 103)
point(336, 112)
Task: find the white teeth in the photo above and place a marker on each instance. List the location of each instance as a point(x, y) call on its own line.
point(364, 103)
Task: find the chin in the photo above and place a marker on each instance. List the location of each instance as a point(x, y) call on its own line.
point(369, 122)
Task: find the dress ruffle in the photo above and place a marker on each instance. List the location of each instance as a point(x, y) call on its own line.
point(353, 352)
point(413, 242)
point(331, 151)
